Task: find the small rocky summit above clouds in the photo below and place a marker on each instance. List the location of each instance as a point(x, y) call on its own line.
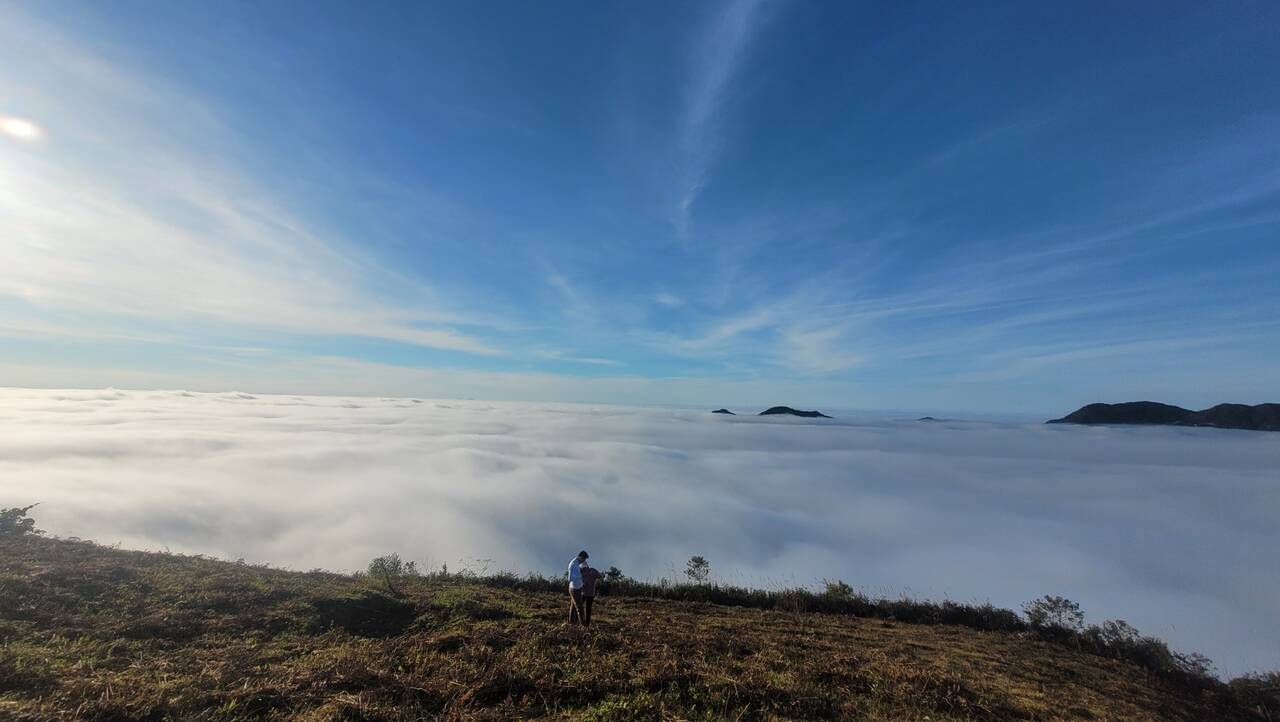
point(787, 410)
point(1262, 417)
point(724, 411)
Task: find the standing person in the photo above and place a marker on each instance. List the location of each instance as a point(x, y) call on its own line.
point(575, 587)
point(590, 575)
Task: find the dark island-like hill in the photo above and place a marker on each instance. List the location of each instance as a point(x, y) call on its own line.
point(787, 410)
point(1262, 417)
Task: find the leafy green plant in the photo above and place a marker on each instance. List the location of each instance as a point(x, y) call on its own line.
point(837, 591)
point(1054, 613)
point(1258, 693)
point(390, 569)
point(16, 522)
point(698, 569)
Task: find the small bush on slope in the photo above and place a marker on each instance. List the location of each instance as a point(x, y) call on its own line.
point(16, 522)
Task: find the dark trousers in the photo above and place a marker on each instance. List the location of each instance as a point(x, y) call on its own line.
point(587, 601)
point(576, 610)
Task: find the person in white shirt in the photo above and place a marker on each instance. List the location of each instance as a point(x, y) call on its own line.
point(575, 588)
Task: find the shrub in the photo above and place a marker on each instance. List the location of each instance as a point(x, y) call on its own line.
point(1054, 613)
point(698, 569)
point(15, 522)
point(1120, 640)
point(1194, 665)
point(838, 591)
point(1111, 635)
point(1258, 693)
point(391, 568)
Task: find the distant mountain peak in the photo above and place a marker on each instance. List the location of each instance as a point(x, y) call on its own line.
point(793, 412)
point(1262, 417)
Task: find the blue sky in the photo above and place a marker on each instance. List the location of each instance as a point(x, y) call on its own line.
point(1016, 207)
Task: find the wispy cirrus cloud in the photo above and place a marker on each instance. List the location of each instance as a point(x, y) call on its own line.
point(119, 214)
point(670, 300)
point(559, 355)
point(1042, 304)
point(719, 51)
point(147, 218)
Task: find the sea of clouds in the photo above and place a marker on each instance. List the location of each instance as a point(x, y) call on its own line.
point(1173, 529)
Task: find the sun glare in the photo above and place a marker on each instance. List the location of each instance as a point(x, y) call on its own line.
point(20, 128)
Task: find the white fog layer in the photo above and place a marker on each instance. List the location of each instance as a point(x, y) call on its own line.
point(1172, 529)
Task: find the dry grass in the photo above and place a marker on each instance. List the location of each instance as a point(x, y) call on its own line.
point(88, 632)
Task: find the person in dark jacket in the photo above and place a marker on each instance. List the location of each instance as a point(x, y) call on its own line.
point(590, 575)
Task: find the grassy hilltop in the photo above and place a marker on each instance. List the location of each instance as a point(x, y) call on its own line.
point(91, 632)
